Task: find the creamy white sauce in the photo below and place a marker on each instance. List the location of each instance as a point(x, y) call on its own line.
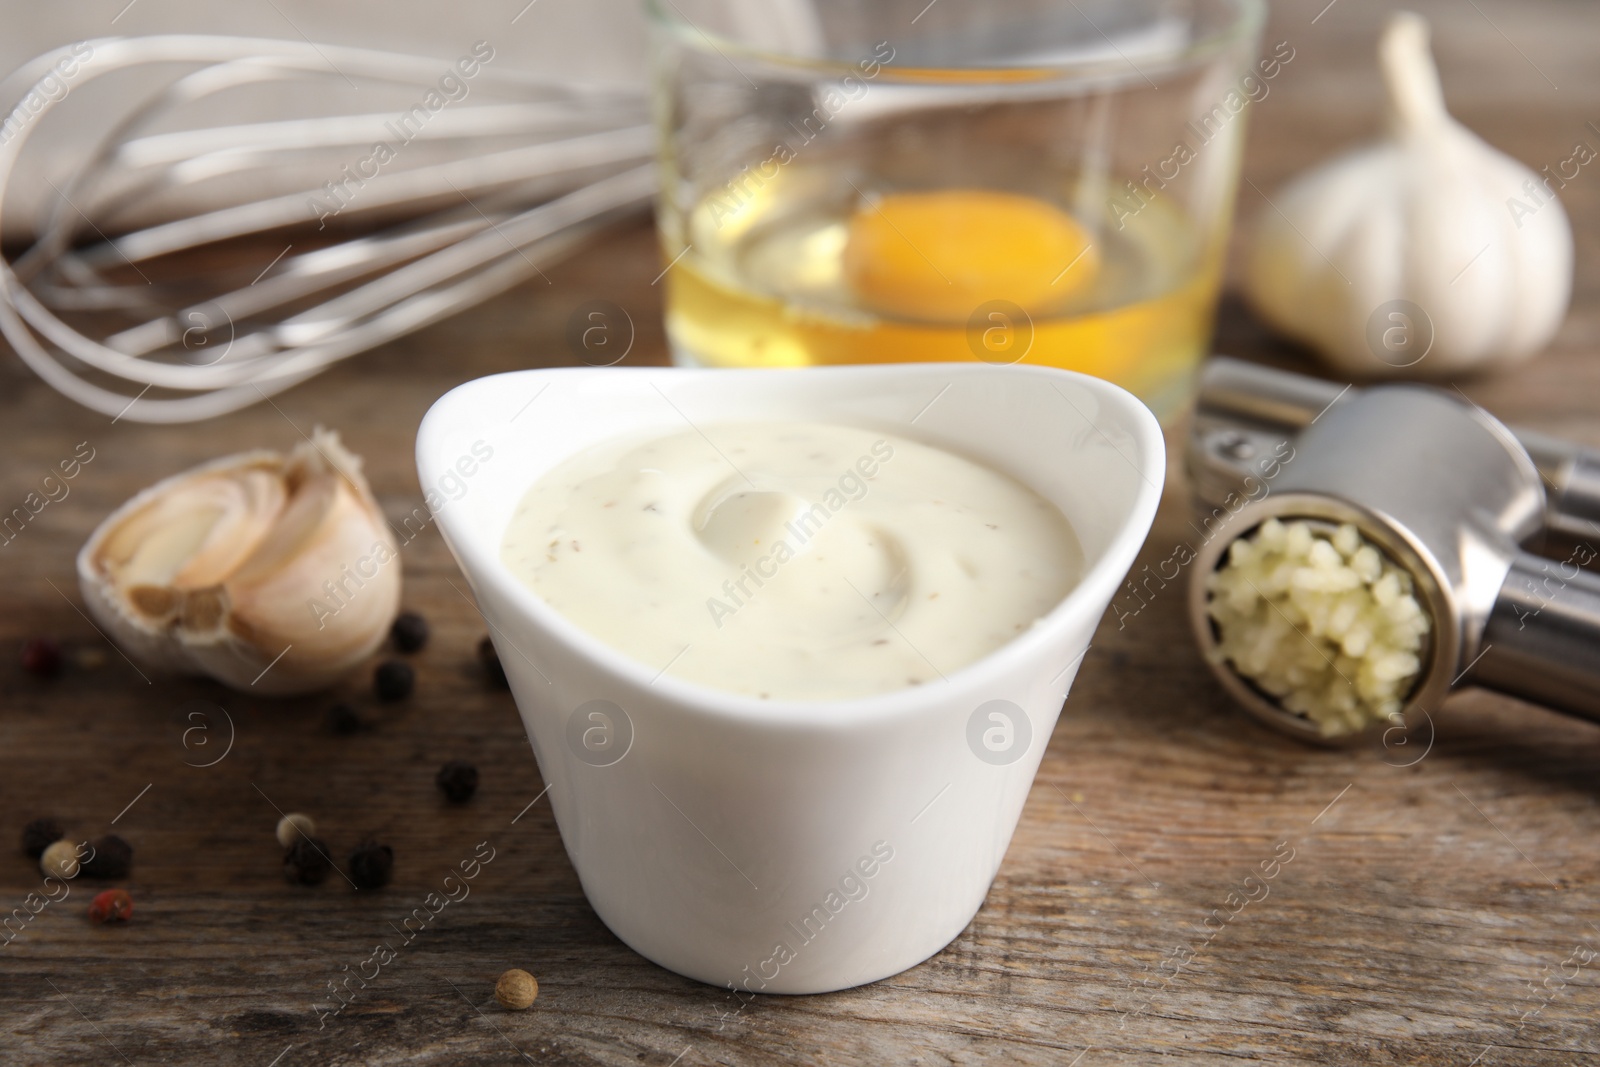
point(794, 561)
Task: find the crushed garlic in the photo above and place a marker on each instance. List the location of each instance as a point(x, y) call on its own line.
point(1328, 626)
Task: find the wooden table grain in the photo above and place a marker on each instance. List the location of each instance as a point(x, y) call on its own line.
point(1433, 903)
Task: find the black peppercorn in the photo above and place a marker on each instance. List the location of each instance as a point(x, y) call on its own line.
point(112, 858)
point(491, 664)
point(41, 657)
point(458, 779)
point(343, 720)
point(393, 680)
point(39, 835)
point(306, 862)
point(371, 864)
point(409, 632)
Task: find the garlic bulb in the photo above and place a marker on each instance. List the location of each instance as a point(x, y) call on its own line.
point(1427, 253)
point(273, 574)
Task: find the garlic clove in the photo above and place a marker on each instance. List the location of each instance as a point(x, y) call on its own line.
point(250, 562)
point(1428, 215)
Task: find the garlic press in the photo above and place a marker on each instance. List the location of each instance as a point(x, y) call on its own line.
point(1494, 524)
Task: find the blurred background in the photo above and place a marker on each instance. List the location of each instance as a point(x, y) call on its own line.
point(1521, 76)
point(597, 42)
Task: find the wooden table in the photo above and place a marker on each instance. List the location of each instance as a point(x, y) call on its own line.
point(1425, 916)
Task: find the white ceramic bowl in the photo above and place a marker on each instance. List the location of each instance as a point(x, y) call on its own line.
point(789, 847)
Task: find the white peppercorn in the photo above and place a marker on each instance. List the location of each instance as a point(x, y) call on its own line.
point(294, 826)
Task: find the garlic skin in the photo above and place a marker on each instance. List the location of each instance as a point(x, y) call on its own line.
point(227, 567)
point(1424, 216)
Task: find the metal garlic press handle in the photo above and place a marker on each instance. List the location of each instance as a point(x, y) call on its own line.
point(1572, 486)
point(1263, 402)
point(1542, 641)
point(1450, 489)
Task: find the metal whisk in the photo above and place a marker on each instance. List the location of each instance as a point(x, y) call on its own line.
point(496, 192)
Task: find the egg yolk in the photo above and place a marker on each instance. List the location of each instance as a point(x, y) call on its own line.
point(939, 255)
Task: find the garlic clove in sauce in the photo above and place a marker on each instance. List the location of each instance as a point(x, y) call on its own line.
point(269, 572)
